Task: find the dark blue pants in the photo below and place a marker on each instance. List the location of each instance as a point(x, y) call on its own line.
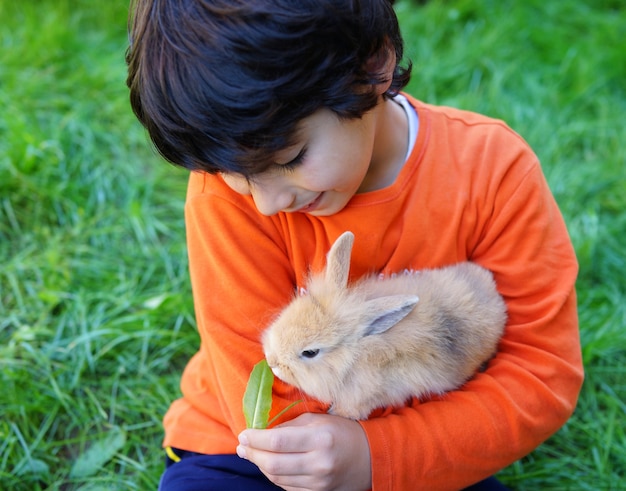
point(199, 472)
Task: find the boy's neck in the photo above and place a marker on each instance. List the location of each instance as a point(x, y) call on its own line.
point(391, 143)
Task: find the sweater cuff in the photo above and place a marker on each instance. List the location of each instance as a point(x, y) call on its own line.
point(380, 454)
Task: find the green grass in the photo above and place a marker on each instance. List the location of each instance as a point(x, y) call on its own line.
point(96, 320)
point(95, 317)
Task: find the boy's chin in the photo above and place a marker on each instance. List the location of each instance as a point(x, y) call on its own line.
point(327, 211)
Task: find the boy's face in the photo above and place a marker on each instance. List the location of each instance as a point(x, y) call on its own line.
point(320, 173)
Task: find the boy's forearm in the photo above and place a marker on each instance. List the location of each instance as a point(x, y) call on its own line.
point(531, 387)
point(525, 396)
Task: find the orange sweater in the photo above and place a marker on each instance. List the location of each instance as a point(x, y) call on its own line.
point(470, 190)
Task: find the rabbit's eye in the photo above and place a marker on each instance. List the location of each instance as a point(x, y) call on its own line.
point(310, 353)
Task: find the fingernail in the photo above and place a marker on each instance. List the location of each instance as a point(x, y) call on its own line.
point(241, 451)
point(243, 439)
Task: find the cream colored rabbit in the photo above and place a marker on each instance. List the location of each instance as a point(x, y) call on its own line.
point(379, 342)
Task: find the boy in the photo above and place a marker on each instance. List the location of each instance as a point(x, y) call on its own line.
point(290, 116)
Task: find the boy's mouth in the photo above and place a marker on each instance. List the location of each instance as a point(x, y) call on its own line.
point(312, 205)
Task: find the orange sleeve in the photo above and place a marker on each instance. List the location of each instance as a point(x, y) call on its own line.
point(241, 274)
point(531, 387)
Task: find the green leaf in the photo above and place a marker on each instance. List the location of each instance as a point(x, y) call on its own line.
point(94, 458)
point(294, 403)
point(257, 399)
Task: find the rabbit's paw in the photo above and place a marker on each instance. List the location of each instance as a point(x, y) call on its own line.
point(348, 412)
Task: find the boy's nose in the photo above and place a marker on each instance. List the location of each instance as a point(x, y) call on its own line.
point(269, 197)
point(269, 200)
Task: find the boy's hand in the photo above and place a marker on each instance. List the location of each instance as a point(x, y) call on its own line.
point(312, 452)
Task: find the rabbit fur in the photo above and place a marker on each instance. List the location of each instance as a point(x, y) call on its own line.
point(379, 342)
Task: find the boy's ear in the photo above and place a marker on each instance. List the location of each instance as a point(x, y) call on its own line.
point(381, 66)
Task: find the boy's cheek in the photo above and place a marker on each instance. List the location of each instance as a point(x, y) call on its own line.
point(237, 183)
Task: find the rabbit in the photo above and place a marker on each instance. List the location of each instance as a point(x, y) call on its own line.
point(380, 341)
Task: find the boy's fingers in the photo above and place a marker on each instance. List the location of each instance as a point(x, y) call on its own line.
point(274, 464)
point(278, 440)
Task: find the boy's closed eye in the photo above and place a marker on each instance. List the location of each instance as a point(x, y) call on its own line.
point(294, 162)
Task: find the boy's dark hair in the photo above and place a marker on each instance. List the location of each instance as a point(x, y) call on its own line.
point(220, 85)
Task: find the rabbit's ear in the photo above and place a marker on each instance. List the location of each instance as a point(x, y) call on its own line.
point(338, 260)
point(385, 312)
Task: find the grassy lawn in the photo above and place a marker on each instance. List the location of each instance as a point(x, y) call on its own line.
point(96, 320)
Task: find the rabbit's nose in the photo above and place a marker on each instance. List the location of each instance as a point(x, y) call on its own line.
point(273, 364)
point(277, 372)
